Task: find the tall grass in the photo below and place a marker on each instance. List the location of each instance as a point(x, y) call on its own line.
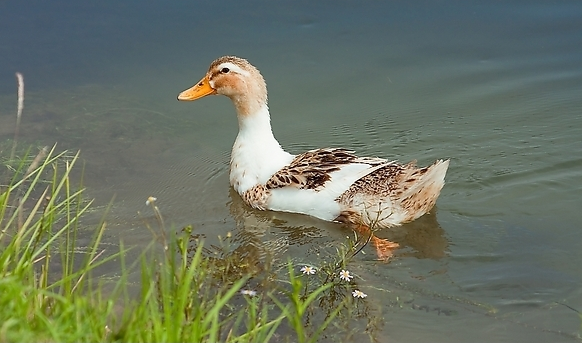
point(39, 215)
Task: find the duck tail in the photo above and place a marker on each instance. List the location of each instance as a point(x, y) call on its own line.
point(422, 195)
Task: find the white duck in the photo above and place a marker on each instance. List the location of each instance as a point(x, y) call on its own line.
point(332, 184)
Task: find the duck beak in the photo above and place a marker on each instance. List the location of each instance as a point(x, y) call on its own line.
point(199, 90)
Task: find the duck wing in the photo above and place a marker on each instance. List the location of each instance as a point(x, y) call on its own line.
point(314, 169)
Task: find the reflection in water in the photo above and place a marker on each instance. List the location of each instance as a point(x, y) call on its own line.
point(422, 238)
point(277, 232)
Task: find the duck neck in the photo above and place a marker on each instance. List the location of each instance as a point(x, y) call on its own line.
point(257, 124)
point(256, 154)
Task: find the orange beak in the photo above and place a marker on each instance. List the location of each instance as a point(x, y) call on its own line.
point(199, 90)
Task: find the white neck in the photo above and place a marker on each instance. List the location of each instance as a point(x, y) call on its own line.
point(256, 154)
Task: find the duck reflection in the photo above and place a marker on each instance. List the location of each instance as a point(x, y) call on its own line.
point(279, 233)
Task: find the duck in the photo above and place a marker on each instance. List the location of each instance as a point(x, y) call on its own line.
point(332, 184)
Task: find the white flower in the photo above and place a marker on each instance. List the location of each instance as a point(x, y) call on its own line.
point(248, 292)
point(308, 270)
point(359, 294)
point(151, 200)
point(345, 275)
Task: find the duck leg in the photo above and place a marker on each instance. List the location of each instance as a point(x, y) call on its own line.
point(384, 248)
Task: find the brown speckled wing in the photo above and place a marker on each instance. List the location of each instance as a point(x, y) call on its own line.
point(311, 170)
point(388, 181)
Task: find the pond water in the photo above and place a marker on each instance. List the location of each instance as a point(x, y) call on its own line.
point(494, 86)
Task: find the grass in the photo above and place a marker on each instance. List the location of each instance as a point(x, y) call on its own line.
point(51, 290)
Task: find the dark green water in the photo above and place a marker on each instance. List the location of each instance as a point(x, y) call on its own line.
point(494, 86)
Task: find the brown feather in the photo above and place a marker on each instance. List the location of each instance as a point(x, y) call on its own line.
point(311, 169)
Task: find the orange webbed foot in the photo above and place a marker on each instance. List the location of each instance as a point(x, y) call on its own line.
point(384, 248)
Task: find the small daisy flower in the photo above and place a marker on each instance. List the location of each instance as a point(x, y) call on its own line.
point(308, 270)
point(345, 275)
point(151, 200)
point(248, 292)
point(359, 294)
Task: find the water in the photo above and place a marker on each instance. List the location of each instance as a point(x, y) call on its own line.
point(494, 86)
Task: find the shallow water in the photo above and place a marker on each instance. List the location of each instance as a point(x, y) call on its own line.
point(494, 86)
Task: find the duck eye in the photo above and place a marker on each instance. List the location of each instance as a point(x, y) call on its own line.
point(224, 70)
